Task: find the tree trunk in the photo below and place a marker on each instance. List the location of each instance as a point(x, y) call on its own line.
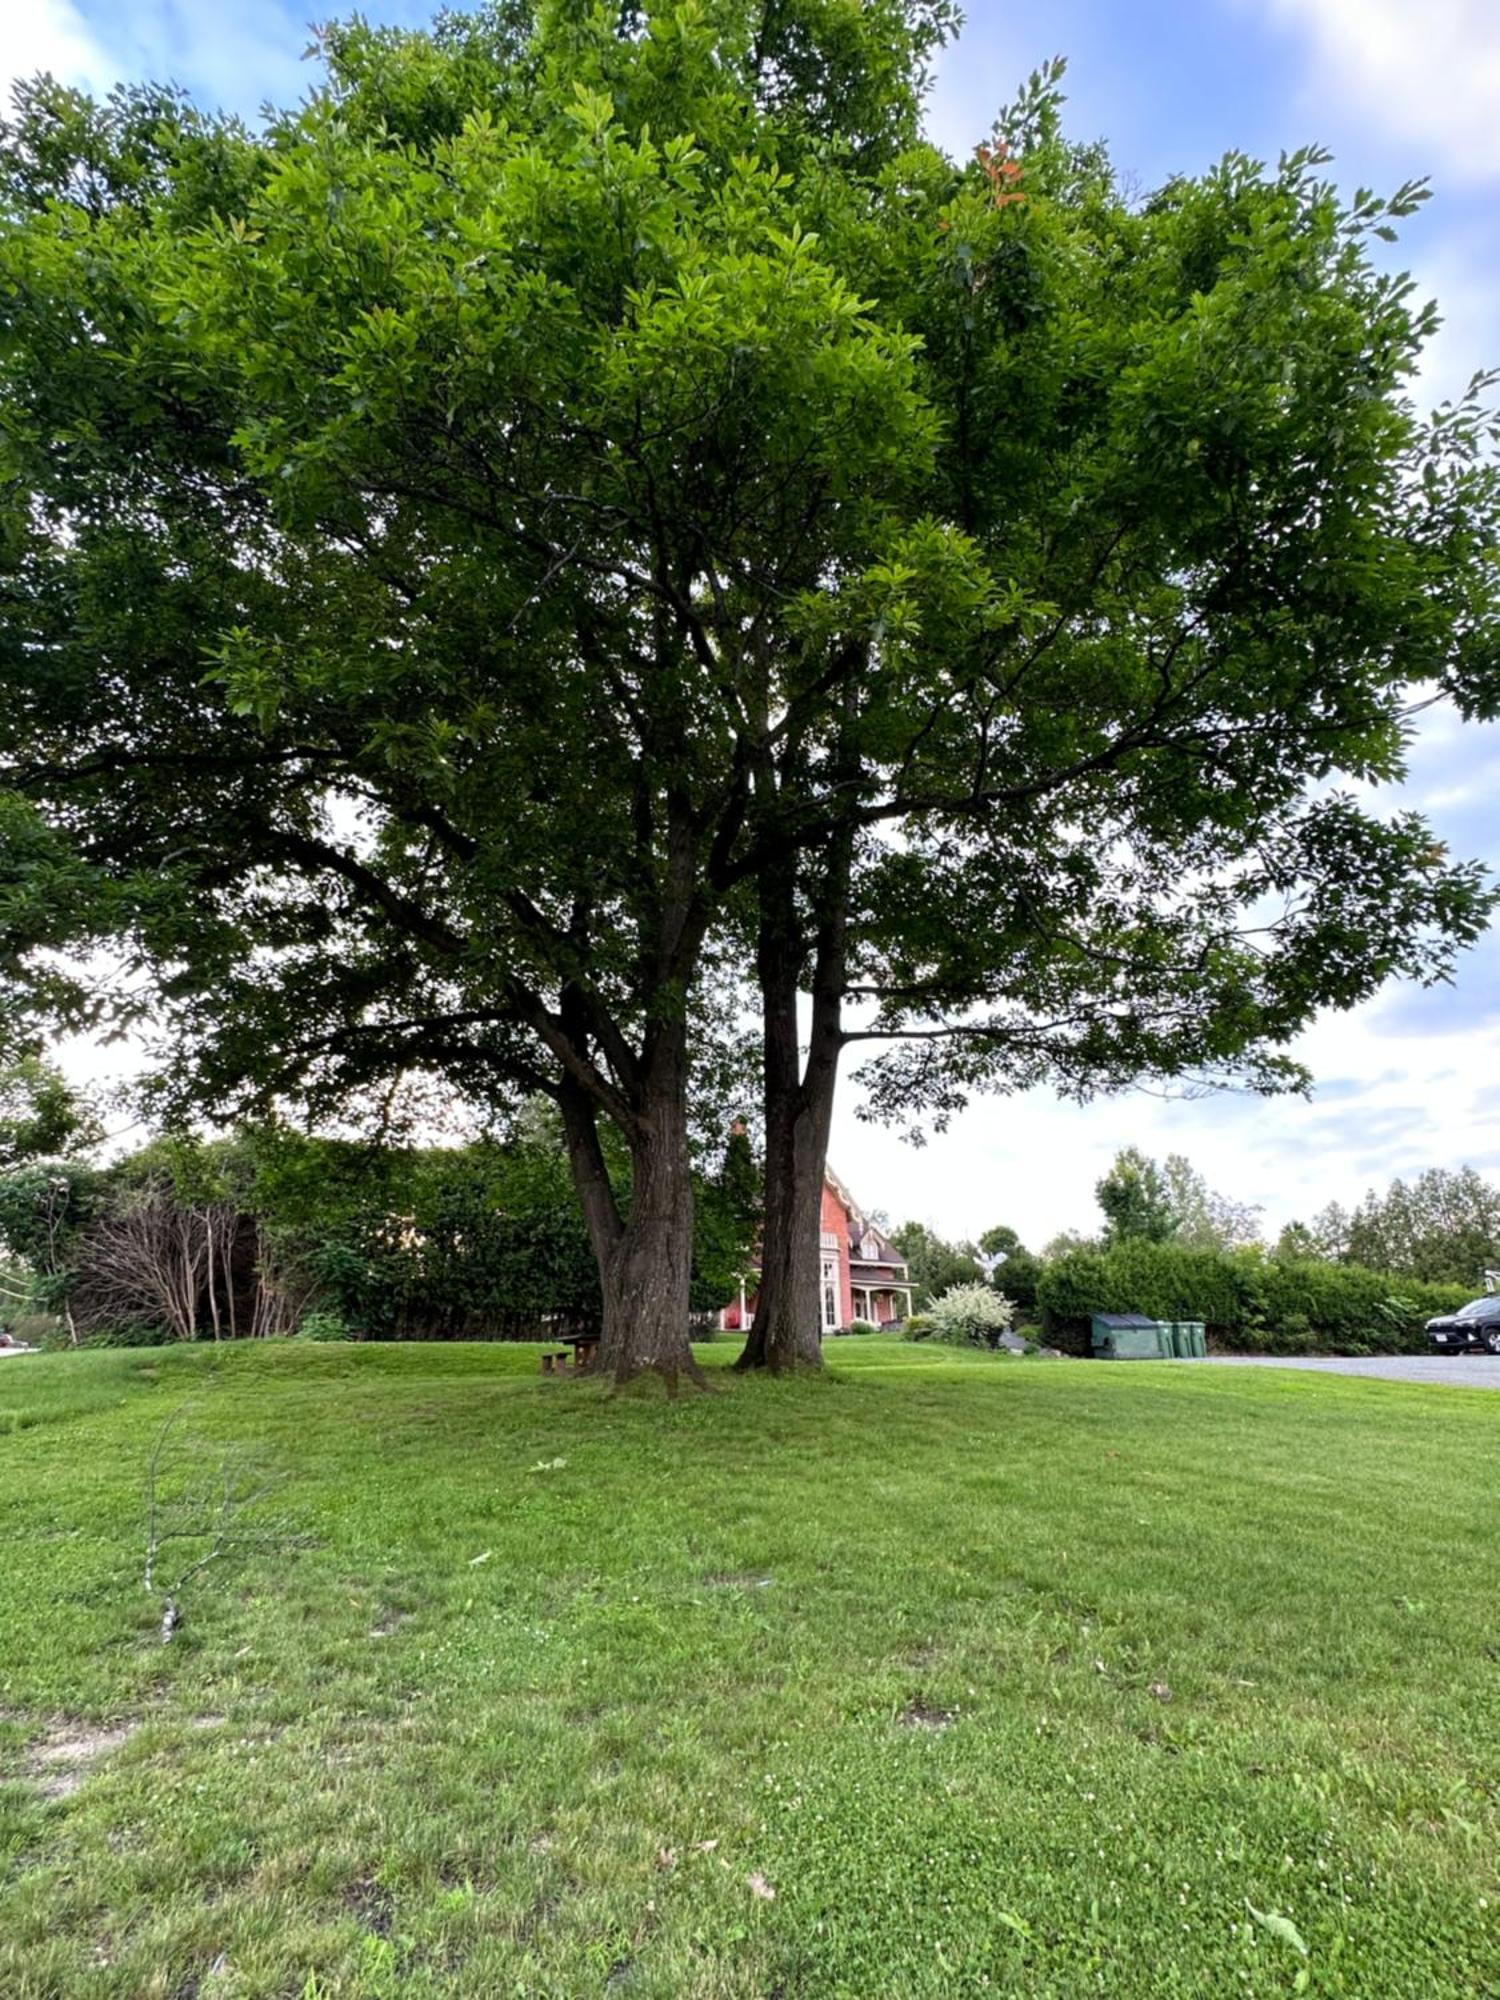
point(647, 1277)
point(645, 1256)
point(788, 1328)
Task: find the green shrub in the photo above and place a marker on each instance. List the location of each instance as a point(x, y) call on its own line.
point(323, 1326)
point(970, 1316)
point(917, 1326)
point(861, 1326)
point(126, 1334)
point(1249, 1302)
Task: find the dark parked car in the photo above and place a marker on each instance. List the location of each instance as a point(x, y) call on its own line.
point(1475, 1325)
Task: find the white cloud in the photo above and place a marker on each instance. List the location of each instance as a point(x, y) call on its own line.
point(1429, 75)
point(1033, 1162)
point(1458, 273)
point(50, 35)
point(235, 56)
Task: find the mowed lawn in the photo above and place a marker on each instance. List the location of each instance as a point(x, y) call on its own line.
point(938, 1677)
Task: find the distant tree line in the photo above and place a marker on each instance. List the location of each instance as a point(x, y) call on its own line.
point(1443, 1225)
point(270, 1230)
point(1172, 1246)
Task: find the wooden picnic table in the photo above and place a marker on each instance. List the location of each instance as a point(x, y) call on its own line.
point(585, 1348)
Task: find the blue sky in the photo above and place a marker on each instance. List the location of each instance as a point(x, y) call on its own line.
point(1396, 91)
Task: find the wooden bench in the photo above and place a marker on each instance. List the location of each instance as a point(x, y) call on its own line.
point(555, 1364)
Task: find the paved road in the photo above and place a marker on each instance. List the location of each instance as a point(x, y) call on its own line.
point(1462, 1371)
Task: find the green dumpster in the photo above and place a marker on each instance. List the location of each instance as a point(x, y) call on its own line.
point(1197, 1336)
point(1129, 1337)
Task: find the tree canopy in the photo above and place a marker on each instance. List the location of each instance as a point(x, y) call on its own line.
point(933, 1264)
point(41, 1115)
point(1136, 1200)
point(1443, 1224)
point(588, 503)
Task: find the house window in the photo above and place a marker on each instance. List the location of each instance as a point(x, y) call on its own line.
point(830, 1293)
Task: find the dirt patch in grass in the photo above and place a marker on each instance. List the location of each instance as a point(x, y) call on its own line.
point(919, 1715)
point(67, 1755)
point(370, 1904)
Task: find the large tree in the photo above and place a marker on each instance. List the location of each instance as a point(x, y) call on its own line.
point(1186, 563)
point(589, 503)
point(418, 513)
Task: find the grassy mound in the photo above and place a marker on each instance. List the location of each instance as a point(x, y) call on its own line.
point(947, 1674)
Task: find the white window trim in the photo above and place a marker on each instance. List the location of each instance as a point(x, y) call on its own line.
point(830, 1294)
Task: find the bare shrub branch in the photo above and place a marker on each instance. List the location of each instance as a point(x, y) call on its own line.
point(207, 1510)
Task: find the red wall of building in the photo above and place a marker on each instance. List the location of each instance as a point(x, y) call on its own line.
point(835, 1222)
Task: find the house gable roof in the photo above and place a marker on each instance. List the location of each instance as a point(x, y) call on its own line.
point(869, 1250)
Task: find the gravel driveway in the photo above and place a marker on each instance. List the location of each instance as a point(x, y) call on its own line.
point(1462, 1371)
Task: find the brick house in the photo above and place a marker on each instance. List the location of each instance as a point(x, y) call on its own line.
point(863, 1275)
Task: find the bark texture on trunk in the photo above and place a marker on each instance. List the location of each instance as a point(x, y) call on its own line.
point(787, 1332)
point(645, 1255)
point(647, 1280)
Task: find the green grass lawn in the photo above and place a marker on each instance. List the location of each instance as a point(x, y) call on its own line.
point(939, 1677)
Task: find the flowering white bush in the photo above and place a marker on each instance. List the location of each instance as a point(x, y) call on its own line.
point(970, 1316)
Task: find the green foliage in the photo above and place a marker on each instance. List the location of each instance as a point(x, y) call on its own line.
point(970, 1316)
point(1326, 1237)
point(128, 1333)
point(740, 1184)
point(45, 1209)
point(861, 1326)
point(434, 1243)
point(1247, 1300)
point(1019, 1269)
point(727, 1210)
point(933, 1264)
point(1137, 1202)
point(324, 1326)
point(917, 1326)
point(1443, 1225)
point(41, 1115)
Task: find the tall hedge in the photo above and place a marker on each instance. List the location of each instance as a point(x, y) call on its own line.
point(1248, 1301)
